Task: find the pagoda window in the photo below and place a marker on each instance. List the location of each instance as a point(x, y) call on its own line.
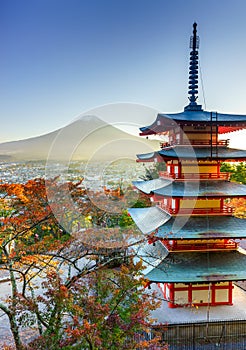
point(176, 170)
point(177, 139)
point(204, 206)
point(204, 171)
point(169, 168)
point(174, 204)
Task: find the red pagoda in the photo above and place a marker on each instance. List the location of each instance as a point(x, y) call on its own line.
point(192, 251)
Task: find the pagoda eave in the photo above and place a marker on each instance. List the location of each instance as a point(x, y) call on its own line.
point(193, 154)
point(202, 227)
point(203, 188)
point(149, 219)
point(225, 122)
point(159, 224)
point(199, 267)
point(149, 186)
point(202, 153)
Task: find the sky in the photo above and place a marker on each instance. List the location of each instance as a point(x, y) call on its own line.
point(61, 58)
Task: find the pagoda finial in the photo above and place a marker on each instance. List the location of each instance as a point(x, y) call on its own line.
point(193, 73)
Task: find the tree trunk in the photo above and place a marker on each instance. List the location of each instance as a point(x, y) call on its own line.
point(15, 331)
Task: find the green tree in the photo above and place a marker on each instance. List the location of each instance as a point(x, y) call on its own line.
point(238, 171)
point(152, 172)
point(227, 168)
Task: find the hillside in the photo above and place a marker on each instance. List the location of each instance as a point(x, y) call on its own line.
point(86, 138)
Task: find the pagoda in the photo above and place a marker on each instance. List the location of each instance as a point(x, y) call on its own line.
point(193, 253)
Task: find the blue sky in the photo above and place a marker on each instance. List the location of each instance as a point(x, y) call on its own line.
point(60, 58)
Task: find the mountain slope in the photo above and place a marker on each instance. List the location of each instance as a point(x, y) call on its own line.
point(86, 138)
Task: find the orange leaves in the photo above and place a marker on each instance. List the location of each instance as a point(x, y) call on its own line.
point(69, 277)
point(28, 200)
point(240, 207)
point(64, 292)
point(13, 190)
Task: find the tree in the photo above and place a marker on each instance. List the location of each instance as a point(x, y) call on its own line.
point(238, 171)
point(239, 205)
point(238, 174)
point(54, 275)
point(106, 309)
point(227, 168)
point(28, 231)
point(153, 171)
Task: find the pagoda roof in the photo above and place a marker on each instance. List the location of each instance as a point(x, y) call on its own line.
point(187, 267)
point(152, 254)
point(147, 156)
point(163, 225)
point(195, 153)
point(165, 122)
point(149, 219)
point(151, 185)
point(202, 227)
point(202, 152)
point(202, 188)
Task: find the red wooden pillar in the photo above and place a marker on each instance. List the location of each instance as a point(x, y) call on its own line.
point(230, 289)
point(213, 295)
point(171, 303)
point(221, 204)
point(177, 205)
point(190, 294)
point(218, 169)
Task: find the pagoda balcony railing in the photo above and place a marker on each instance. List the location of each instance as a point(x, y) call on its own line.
point(226, 210)
point(195, 176)
point(174, 246)
point(224, 143)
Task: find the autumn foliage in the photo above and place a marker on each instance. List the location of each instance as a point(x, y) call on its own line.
point(73, 277)
point(239, 205)
point(238, 174)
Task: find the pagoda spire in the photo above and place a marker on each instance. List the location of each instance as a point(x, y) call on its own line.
point(193, 73)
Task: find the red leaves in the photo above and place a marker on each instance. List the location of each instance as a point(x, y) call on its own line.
point(98, 306)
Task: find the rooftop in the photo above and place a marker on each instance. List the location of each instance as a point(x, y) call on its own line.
point(202, 188)
point(149, 219)
point(187, 267)
point(151, 185)
point(163, 225)
point(168, 121)
point(196, 153)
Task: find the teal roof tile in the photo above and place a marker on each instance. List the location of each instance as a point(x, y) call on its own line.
point(202, 188)
point(149, 219)
point(150, 185)
point(203, 227)
point(189, 152)
point(151, 255)
point(204, 116)
point(199, 116)
point(154, 219)
point(195, 153)
point(200, 267)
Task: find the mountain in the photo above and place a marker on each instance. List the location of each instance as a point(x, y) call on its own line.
point(86, 138)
